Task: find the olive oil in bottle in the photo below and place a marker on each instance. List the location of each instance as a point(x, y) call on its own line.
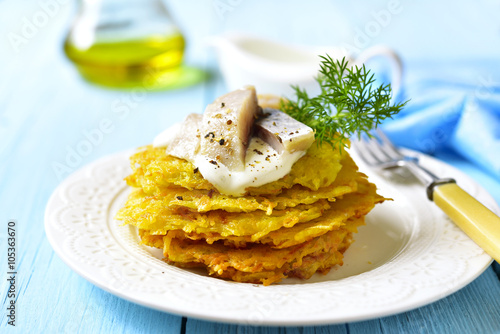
point(126, 44)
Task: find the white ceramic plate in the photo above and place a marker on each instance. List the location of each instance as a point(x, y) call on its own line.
point(409, 254)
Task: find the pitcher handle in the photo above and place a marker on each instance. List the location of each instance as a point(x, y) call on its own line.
point(395, 60)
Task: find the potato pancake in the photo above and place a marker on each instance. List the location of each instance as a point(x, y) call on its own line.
point(154, 169)
point(294, 226)
point(208, 200)
point(253, 259)
point(350, 207)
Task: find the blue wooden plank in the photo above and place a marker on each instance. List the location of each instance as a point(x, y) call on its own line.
point(496, 269)
point(332, 329)
point(201, 326)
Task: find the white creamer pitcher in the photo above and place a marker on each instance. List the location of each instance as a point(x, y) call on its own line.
point(273, 67)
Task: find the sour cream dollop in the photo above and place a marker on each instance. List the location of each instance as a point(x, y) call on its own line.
point(263, 164)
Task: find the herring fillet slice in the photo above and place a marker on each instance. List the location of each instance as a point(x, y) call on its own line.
point(283, 132)
point(184, 142)
point(226, 126)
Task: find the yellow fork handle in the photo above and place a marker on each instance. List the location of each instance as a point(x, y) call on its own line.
point(477, 221)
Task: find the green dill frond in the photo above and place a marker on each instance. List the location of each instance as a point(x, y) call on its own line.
point(348, 103)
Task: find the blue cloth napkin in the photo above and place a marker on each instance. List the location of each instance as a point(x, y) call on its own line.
point(452, 107)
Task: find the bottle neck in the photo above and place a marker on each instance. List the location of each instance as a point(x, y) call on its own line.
point(129, 5)
point(107, 20)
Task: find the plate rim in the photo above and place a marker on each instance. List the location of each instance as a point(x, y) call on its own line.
point(220, 317)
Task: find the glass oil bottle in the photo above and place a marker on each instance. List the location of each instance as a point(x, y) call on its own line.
point(126, 44)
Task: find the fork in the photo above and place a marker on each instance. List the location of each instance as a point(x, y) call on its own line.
point(477, 221)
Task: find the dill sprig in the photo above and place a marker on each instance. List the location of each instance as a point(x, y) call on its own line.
point(347, 104)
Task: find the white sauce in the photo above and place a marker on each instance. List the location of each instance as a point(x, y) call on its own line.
point(263, 165)
point(167, 136)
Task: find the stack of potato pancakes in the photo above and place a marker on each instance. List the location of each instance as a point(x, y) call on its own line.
point(291, 227)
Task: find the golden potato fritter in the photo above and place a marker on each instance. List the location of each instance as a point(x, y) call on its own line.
point(293, 227)
point(255, 223)
point(255, 258)
point(153, 169)
point(353, 205)
point(208, 200)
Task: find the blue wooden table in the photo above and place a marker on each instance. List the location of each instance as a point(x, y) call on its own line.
point(46, 109)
